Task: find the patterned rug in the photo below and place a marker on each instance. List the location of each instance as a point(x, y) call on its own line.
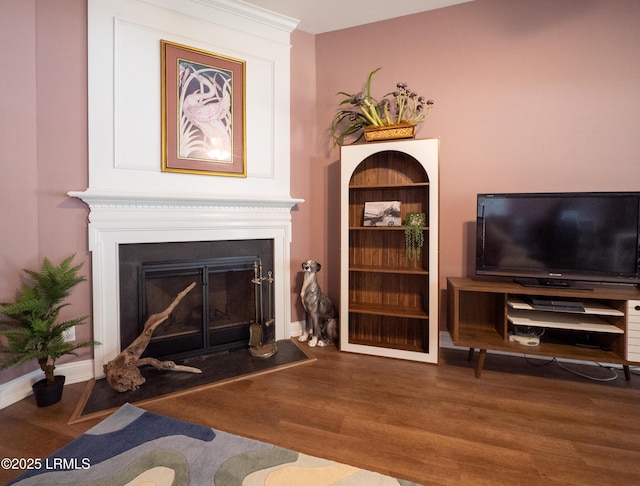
point(136, 447)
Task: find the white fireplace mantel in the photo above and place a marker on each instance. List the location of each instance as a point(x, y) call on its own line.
point(117, 219)
point(133, 205)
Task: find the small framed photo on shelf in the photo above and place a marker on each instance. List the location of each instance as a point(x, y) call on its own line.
point(382, 213)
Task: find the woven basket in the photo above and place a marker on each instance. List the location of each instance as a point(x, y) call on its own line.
point(389, 132)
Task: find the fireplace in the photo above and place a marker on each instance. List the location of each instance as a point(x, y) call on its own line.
point(117, 220)
point(215, 316)
point(131, 199)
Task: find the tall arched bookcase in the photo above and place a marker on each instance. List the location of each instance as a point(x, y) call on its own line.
point(388, 302)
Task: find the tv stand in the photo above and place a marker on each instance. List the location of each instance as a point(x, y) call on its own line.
point(484, 314)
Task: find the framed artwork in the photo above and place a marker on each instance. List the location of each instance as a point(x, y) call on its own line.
point(382, 213)
point(203, 112)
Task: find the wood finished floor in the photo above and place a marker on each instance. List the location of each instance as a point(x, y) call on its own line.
point(518, 424)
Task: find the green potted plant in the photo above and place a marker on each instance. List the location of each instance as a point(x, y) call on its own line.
point(395, 115)
point(414, 237)
point(32, 329)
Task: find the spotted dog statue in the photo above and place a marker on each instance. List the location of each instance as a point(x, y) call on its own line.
point(321, 325)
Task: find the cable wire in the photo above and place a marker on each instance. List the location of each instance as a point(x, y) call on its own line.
point(613, 377)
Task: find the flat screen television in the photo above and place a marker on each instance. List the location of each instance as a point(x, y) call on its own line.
point(559, 239)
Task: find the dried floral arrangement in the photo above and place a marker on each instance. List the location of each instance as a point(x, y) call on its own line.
point(402, 106)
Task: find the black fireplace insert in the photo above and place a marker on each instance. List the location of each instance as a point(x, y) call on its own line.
point(213, 317)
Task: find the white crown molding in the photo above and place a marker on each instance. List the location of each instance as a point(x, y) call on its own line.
point(253, 12)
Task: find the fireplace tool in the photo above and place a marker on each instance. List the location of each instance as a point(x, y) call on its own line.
point(262, 342)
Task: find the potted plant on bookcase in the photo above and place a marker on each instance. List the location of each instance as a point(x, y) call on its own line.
point(394, 116)
point(414, 237)
point(32, 328)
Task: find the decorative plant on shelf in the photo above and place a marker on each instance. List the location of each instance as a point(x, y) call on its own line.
point(32, 330)
point(413, 233)
point(402, 107)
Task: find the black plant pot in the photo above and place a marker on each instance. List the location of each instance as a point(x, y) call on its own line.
point(48, 394)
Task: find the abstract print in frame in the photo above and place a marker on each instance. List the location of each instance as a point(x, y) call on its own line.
point(203, 112)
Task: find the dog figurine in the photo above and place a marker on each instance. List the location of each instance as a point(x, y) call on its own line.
point(321, 324)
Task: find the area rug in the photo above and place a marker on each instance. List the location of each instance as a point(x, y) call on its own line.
point(136, 447)
point(99, 399)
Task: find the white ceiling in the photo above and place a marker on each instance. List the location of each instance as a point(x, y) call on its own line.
point(318, 16)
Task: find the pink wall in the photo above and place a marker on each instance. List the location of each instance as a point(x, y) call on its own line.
point(303, 158)
point(18, 201)
point(535, 95)
point(43, 135)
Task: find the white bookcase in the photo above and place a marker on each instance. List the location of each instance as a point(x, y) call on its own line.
point(389, 302)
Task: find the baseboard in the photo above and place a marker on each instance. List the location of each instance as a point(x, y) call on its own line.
point(295, 329)
point(19, 388)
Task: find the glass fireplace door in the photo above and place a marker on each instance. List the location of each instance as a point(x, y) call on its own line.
point(214, 316)
point(182, 333)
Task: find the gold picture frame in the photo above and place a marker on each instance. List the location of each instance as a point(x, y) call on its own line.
point(203, 112)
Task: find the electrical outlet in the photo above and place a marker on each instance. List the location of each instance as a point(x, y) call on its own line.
point(70, 334)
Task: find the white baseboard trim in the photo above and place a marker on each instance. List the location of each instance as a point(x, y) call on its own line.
point(295, 329)
point(19, 388)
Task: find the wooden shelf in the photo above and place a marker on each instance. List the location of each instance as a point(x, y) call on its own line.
point(388, 269)
point(381, 228)
point(590, 307)
point(399, 347)
point(558, 320)
point(470, 337)
point(413, 185)
point(385, 310)
point(386, 298)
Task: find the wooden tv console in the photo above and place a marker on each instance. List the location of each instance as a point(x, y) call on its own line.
point(482, 314)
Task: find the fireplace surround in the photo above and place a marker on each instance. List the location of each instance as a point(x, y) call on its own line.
point(117, 219)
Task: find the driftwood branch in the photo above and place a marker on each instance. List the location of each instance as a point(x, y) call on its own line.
point(122, 372)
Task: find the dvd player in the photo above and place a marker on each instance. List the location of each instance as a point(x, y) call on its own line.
point(556, 305)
